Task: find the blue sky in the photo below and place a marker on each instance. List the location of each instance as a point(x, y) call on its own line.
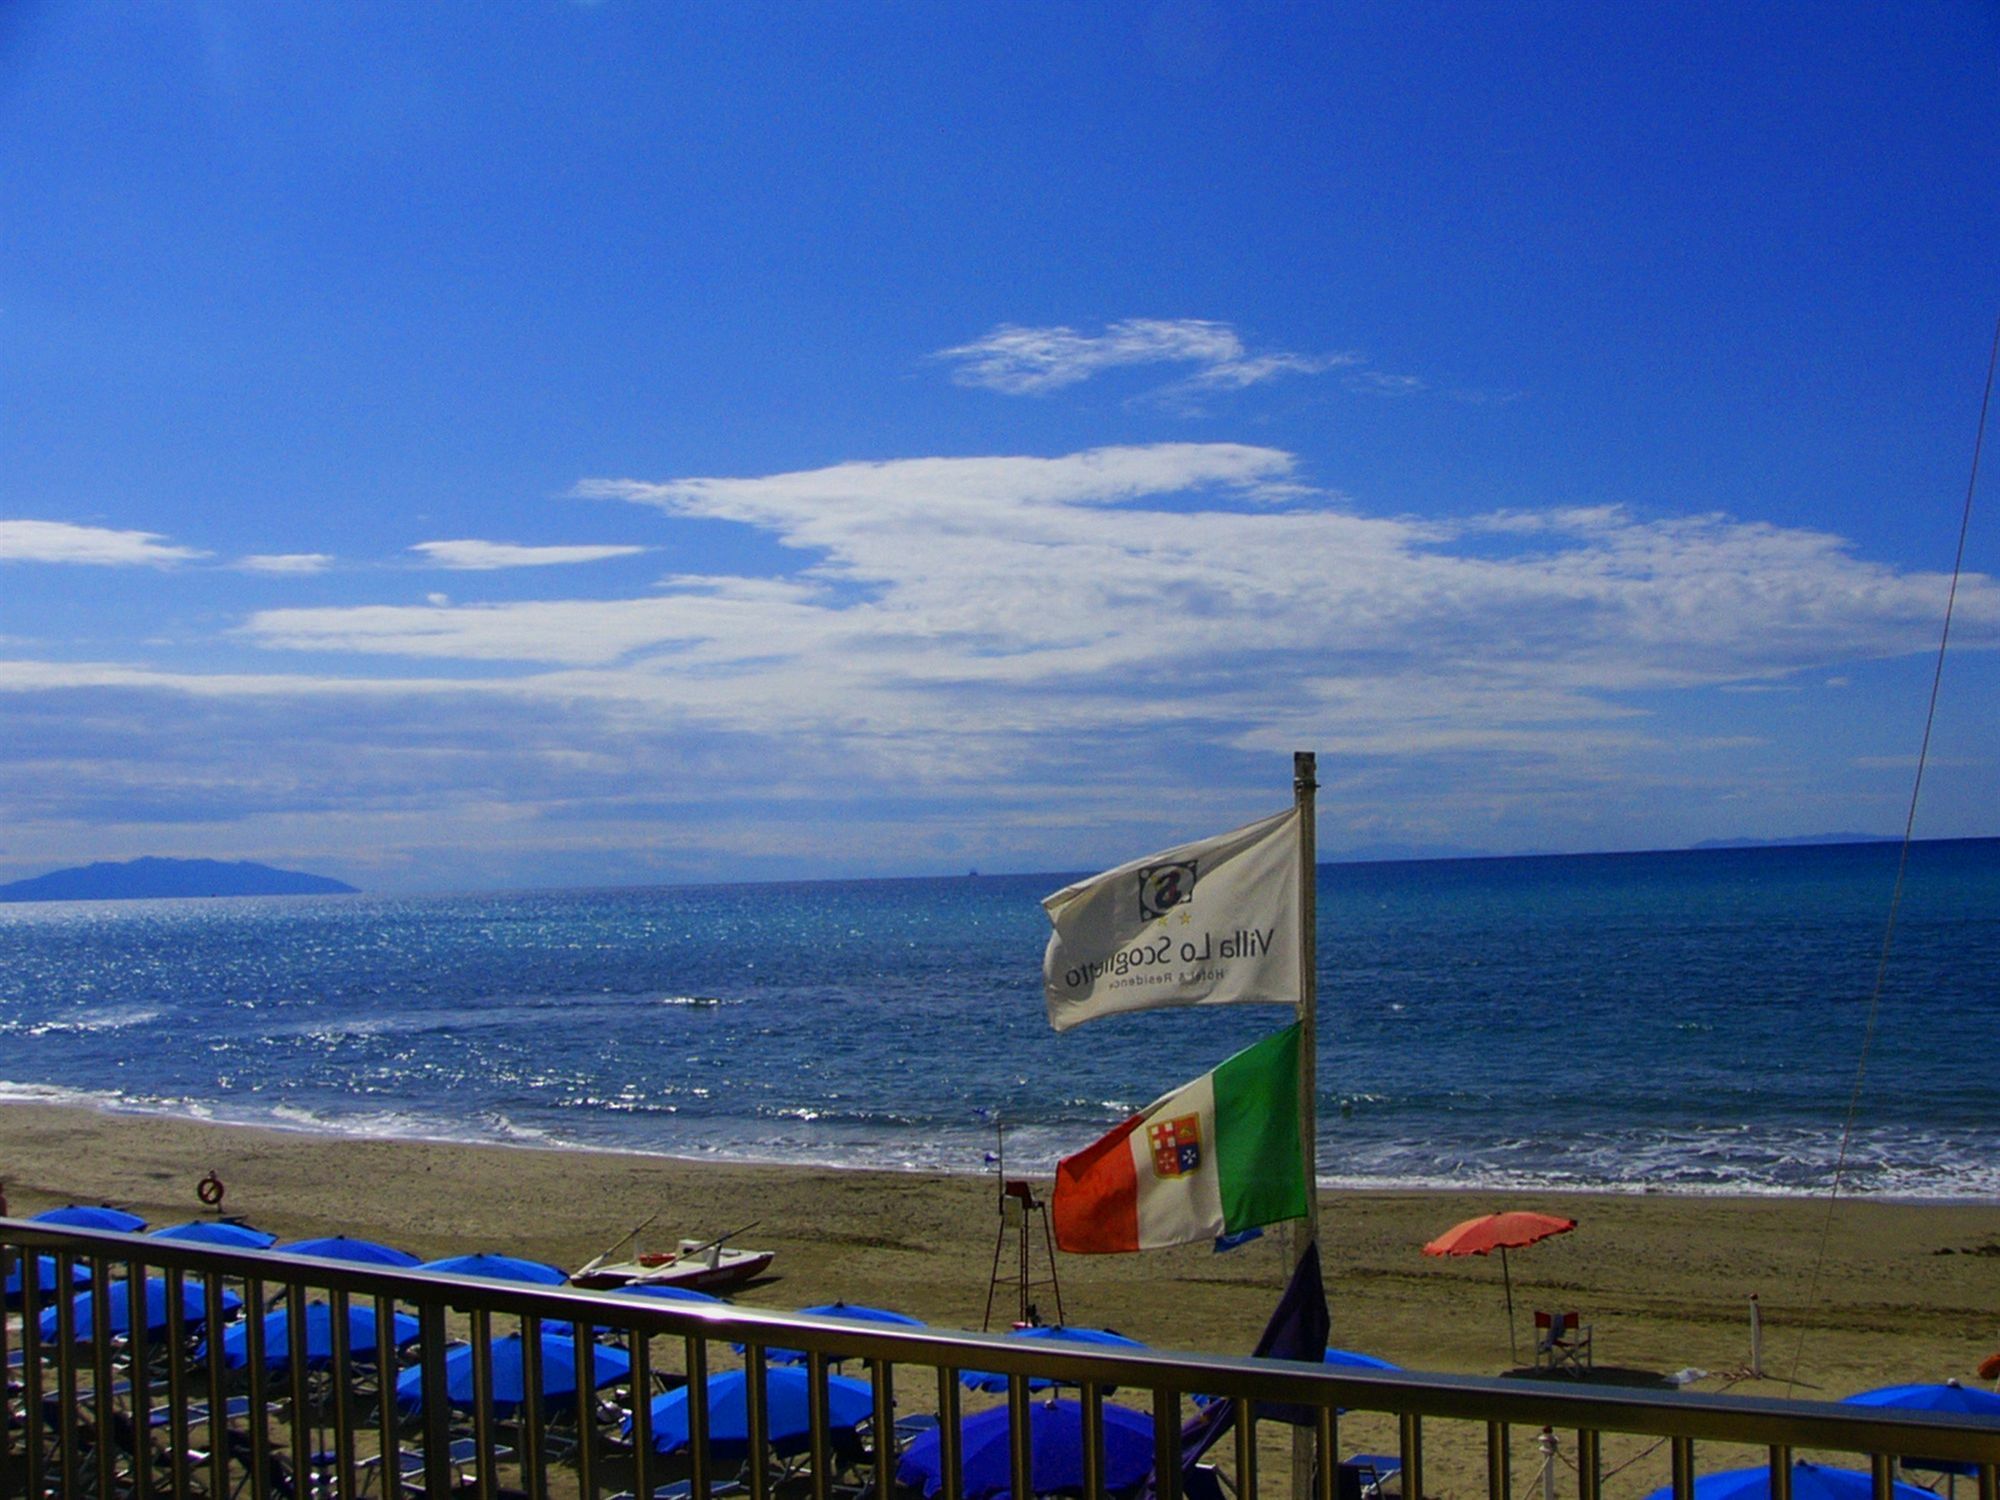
point(452, 446)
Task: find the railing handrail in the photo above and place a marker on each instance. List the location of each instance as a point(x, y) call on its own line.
point(1707, 1416)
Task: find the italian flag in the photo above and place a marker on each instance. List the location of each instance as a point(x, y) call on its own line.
point(1214, 1157)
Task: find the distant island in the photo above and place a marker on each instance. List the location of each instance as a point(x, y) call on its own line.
point(139, 879)
point(1798, 840)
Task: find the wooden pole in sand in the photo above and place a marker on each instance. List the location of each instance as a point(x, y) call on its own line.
point(1305, 782)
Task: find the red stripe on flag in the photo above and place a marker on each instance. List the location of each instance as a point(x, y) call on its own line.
point(1096, 1205)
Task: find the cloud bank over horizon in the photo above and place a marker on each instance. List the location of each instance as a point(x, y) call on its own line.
point(1003, 644)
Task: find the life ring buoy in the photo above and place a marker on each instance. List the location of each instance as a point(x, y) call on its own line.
point(210, 1190)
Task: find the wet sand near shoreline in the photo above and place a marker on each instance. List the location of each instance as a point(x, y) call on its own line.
point(1877, 1293)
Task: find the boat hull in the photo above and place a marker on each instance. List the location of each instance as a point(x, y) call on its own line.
point(702, 1272)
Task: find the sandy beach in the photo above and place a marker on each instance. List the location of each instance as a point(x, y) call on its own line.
point(1904, 1292)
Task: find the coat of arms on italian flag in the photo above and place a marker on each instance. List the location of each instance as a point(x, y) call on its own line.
point(1214, 1157)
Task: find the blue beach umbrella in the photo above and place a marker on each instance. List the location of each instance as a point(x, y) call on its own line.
point(498, 1268)
point(361, 1341)
point(358, 1252)
point(83, 1216)
point(510, 1391)
point(1055, 1448)
point(787, 1406)
point(854, 1311)
point(1809, 1482)
point(1358, 1361)
point(987, 1380)
point(225, 1232)
point(194, 1308)
point(1945, 1396)
point(669, 1293)
point(45, 1278)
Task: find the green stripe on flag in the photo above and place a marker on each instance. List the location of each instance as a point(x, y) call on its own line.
point(1260, 1169)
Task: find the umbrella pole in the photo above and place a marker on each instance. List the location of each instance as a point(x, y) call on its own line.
point(1506, 1277)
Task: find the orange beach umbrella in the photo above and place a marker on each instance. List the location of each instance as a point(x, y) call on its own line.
point(1502, 1232)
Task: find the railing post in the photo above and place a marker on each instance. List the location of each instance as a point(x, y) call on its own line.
point(1021, 1458)
point(340, 1309)
point(641, 1349)
point(1881, 1475)
point(1167, 1482)
point(301, 1393)
point(583, 1346)
point(949, 1436)
point(1326, 1457)
point(534, 1418)
point(218, 1410)
point(697, 1389)
point(139, 1401)
point(817, 1421)
point(100, 1365)
point(1589, 1463)
point(884, 1423)
point(1499, 1461)
point(1091, 1401)
point(1246, 1450)
point(482, 1401)
point(1781, 1471)
point(1412, 1433)
point(258, 1416)
point(435, 1396)
point(177, 1390)
point(1682, 1460)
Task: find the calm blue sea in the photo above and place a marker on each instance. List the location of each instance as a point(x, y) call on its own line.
point(1687, 1021)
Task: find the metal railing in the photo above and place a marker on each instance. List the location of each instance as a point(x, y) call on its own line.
point(146, 1404)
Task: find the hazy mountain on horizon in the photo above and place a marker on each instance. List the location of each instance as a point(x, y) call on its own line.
point(153, 877)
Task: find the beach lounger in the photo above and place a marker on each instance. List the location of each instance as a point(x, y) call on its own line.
point(1362, 1476)
point(1562, 1342)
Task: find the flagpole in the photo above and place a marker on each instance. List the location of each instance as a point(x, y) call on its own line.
point(1305, 1232)
point(1305, 782)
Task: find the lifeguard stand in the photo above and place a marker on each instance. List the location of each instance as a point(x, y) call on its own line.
point(1019, 1208)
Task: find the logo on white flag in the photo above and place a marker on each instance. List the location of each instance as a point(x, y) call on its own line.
point(1163, 887)
point(1114, 949)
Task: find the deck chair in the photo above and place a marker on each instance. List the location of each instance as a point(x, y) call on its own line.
point(1562, 1342)
point(1362, 1476)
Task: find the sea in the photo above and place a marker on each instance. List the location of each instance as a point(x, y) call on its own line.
point(1687, 1022)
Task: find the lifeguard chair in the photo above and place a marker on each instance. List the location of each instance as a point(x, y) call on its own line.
point(1019, 1208)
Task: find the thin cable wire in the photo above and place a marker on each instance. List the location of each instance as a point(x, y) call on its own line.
point(1902, 865)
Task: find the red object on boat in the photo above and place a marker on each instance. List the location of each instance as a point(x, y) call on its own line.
point(1490, 1232)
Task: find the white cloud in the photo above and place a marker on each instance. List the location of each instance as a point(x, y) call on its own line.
point(1003, 639)
point(485, 556)
point(1019, 361)
point(286, 562)
point(61, 542)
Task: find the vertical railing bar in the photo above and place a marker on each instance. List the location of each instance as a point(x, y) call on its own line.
point(388, 1412)
point(1589, 1463)
point(339, 1312)
point(1411, 1443)
point(139, 1399)
point(1881, 1475)
point(949, 1436)
point(757, 1390)
point(218, 1412)
point(31, 1367)
point(1167, 1479)
point(1499, 1461)
point(434, 1396)
point(582, 1349)
point(640, 1343)
point(1781, 1471)
point(884, 1374)
point(482, 1401)
point(29, 1269)
point(1681, 1462)
point(1326, 1467)
point(177, 1382)
point(1246, 1449)
point(100, 1364)
point(697, 1410)
point(1091, 1398)
point(66, 1393)
point(300, 1386)
point(817, 1421)
point(260, 1395)
point(1020, 1456)
point(534, 1420)
point(1989, 1482)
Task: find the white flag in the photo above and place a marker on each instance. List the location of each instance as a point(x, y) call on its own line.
point(1208, 923)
